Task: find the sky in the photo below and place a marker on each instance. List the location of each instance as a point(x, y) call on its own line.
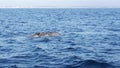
point(59, 3)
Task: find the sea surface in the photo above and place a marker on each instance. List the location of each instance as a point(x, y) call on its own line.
point(90, 38)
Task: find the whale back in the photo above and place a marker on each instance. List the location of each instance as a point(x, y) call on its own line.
point(45, 34)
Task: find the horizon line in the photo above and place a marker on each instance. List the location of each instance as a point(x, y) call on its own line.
point(57, 7)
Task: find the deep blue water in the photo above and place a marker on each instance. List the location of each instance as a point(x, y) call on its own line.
point(90, 38)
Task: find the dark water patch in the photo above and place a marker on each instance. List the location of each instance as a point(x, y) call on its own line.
point(89, 64)
point(13, 66)
point(45, 58)
point(5, 50)
point(23, 57)
point(6, 35)
point(71, 59)
point(114, 43)
point(12, 34)
point(2, 66)
point(69, 41)
point(7, 27)
point(26, 56)
point(114, 29)
point(9, 66)
point(38, 40)
point(0, 34)
point(21, 33)
point(2, 21)
point(111, 39)
point(10, 41)
point(45, 40)
point(38, 49)
point(38, 66)
point(73, 43)
point(13, 61)
point(76, 49)
point(76, 30)
point(23, 22)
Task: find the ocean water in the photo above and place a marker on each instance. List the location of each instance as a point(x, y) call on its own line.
point(90, 38)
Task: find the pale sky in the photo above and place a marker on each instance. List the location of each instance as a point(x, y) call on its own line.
point(60, 3)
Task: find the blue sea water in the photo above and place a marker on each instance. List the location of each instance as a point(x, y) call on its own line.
point(90, 38)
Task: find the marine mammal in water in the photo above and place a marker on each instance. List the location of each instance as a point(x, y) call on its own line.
point(45, 34)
